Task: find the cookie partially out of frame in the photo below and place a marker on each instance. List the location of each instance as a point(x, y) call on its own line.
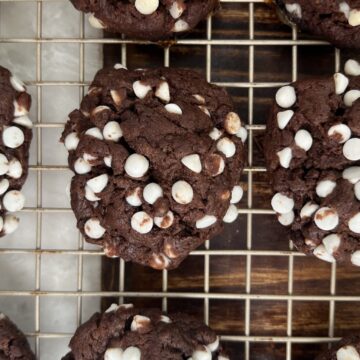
point(157, 156)
point(126, 333)
point(13, 343)
point(147, 19)
point(347, 349)
point(338, 21)
point(15, 138)
point(312, 148)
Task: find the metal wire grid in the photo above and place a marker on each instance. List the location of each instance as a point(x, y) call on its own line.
point(206, 295)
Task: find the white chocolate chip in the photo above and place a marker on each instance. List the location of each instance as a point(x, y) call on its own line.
point(152, 192)
point(294, 9)
point(232, 123)
point(332, 243)
point(117, 97)
point(352, 174)
point(112, 131)
point(165, 319)
point(357, 190)
point(95, 22)
point(164, 222)
point(236, 194)
point(17, 84)
point(142, 222)
point(192, 162)
point(325, 188)
point(81, 166)
point(308, 210)
point(13, 137)
point(23, 121)
point(351, 149)
point(354, 17)
point(205, 110)
point(89, 158)
point(136, 165)
point(242, 134)
point(340, 133)
point(285, 157)
point(163, 91)
point(345, 9)
point(159, 261)
point(119, 66)
point(282, 204)
point(303, 139)
point(182, 192)
point(199, 98)
point(4, 185)
point(354, 223)
point(326, 219)
point(15, 169)
point(4, 164)
point(13, 200)
point(347, 352)
point(355, 258)
point(283, 118)
point(100, 109)
point(176, 9)
point(140, 89)
point(134, 198)
point(214, 345)
point(113, 354)
point(132, 353)
point(146, 7)
point(227, 147)
point(341, 83)
point(286, 219)
point(351, 96)
point(231, 214)
point(11, 223)
point(321, 253)
point(94, 132)
point(215, 134)
point(206, 221)
point(286, 97)
point(173, 109)
point(90, 195)
point(203, 354)
point(108, 160)
point(71, 141)
point(180, 25)
point(98, 183)
point(19, 110)
point(93, 229)
point(139, 322)
point(352, 68)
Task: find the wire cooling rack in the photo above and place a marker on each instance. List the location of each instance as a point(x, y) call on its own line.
point(280, 337)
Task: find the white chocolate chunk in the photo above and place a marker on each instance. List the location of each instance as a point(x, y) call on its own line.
point(176, 10)
point(116, 97)
point(282, 204)
point(140, 89)
point(108, 160)
point(355, 258)
point(4, 185)
point(206, 221)
point(325, 188)
point(90, 195)
point(98, 183)
point(340, 132)
point(180, 25)
point(4, 164)
point(341, 83)
point(347, 352)
point(19, 110)
point(286, 219)
point(232, 123)
point(132, 353)
point(13, 137)
point(24, 121)
point(15, 169)
point(95, 22)
point(354, 223)
point(351, 149)
point(100, 109)
point(165, 319)
point(173, 109)
point(321, 253)
point(146, 7)
point(286, 97)
point(215, 134)
point(94, 132)
point(93, 229)
point(11, 223)
point(294, 9)
point(81, 166)
point(227, 147)
point(164, 222)
point(136, 165)
point(351, 96)
point(205, 110)
point(199, 98)
point(152, 192)
point(231, 214)
point(285, 157)
point(357, 190)
point(89, 158)
point(17, 84)
point(112, 131)
point(354, 17)
point(283, 118)
point(142, 222)
point(303, 139)
point(236, 194)
point(182, 192)
point(134, 198)
point(352, 174)
point(345, 9)
point(326, 219)
point(192, 162)
point(13, 201)
point(163, 91)
point(139, 322)
point(203, 354)
point(113, 354)
point(308, 210)
point(242, 134)
point(214, 345)
point(352, 68)
point(119, 66)
point(332, 243)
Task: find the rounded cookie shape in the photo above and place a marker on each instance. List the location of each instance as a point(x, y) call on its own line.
point(15, 138)
point(147, 19)
point(13, 344)
point(317, 189)
point(125, 332)
point(338, 21)
point(347, 349)
point(162, 188)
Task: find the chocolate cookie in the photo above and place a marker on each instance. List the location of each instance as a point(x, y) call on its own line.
point(312, 148)
point(147, 19)
point(15, 138)
point(158, 156)
point(338, 21)
point(13, 343)
point(124, 332)
point(347, 349)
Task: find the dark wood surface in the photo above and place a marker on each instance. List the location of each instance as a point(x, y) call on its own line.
point(269, 275)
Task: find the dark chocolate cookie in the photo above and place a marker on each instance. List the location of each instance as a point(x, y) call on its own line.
point(312, 148)
point(15, 138)
point(13, 343)
point(147, 19)
point(158, 156)
point(346, 349)
point(126, 333)
point(338, 21)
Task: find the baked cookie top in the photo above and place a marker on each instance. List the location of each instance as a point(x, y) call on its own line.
point(338, 21)
point(347, 349)
point(312, 148)
point(126, 333)
point(15, 138)
point(157, 156)
point(147, 19)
